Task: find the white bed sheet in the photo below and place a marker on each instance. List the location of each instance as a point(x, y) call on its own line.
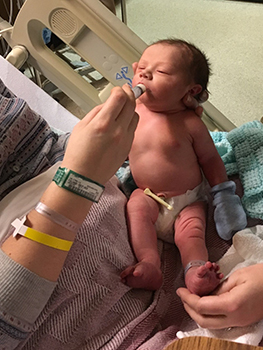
point(56, 115)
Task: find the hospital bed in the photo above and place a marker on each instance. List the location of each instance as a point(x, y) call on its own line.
point(98, 36)
point(84, 26)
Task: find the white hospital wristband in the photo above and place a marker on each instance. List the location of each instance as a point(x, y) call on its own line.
point(57, 218)
point(193, 263)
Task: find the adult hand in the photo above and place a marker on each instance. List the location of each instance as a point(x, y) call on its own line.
point(237, 302)
point(101, 141)
point(98, 145)
point(192, 103)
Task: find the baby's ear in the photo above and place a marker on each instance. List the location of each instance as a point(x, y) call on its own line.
point(134, 66)
point(195, 90)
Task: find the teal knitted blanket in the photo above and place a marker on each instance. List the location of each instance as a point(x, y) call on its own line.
point(241, 150)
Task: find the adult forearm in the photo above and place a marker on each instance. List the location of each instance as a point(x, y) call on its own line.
point(45, 261)
point(98, 145)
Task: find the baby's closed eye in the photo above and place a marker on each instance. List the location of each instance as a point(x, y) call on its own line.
point(163, 71)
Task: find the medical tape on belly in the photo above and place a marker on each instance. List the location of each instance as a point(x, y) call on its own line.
point(149, 193)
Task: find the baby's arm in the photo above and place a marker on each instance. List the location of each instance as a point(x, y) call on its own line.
point(229, 215)
point(207, 155)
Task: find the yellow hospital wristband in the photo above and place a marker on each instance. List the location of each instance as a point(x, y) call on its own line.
point(40, 237)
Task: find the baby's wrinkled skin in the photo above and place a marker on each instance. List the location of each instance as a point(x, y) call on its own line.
point(171, 151)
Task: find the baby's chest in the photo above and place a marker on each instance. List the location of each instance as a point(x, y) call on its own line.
point(165, 136)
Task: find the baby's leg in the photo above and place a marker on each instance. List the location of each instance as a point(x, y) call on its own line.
point(142, 213)
point(190, 239)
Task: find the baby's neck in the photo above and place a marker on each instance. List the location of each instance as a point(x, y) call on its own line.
point(176, 109)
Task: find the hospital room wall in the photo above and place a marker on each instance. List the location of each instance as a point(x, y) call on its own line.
point(231, 34)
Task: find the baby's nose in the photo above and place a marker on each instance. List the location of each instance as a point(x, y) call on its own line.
point(146, 74)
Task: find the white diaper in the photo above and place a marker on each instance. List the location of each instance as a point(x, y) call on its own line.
point(165, 221)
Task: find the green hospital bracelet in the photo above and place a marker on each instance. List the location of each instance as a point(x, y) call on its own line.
point(78, 184)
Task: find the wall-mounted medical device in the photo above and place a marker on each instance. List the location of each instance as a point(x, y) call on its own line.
point(96, 35)
point(87, 27)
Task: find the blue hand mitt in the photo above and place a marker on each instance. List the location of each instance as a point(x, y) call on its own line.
point(229, 214)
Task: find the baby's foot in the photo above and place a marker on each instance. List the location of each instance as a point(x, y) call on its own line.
point(202, 280)
point(143, 275)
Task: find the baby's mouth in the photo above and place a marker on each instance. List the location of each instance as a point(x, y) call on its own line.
point(147, 89)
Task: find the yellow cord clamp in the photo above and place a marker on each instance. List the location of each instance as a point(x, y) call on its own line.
point(158, 199)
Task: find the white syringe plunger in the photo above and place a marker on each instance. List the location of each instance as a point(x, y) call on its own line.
point(138, 90)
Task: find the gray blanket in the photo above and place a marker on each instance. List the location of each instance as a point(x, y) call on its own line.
point(92, 309)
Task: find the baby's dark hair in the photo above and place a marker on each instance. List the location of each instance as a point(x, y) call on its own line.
point(196, 62)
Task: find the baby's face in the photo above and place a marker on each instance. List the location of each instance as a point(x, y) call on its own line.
point(161, 70)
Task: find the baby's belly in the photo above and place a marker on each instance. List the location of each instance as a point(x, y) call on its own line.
point(167, 179)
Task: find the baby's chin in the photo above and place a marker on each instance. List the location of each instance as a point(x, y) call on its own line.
point(159, 107)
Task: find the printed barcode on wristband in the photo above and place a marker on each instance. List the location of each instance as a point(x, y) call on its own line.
point(85, 192)
point(83, 188)
point(78, 184)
